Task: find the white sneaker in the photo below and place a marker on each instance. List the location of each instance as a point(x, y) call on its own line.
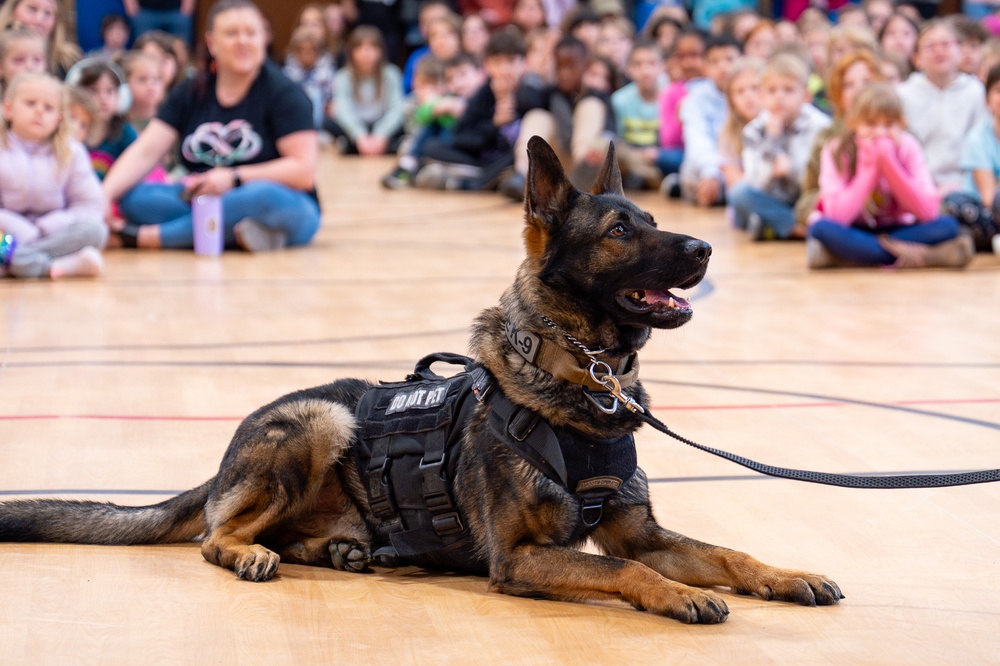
point(817, 256)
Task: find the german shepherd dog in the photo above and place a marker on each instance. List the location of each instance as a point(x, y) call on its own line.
point(289, 487)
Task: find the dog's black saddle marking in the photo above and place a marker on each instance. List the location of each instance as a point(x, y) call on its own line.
point(408, 450)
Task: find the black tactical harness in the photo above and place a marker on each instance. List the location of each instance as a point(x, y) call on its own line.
point(409, 448)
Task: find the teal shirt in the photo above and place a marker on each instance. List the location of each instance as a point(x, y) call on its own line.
point(981, 150)
point(638, 121)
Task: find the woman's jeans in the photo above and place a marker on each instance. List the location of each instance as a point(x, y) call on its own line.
point(274, 205)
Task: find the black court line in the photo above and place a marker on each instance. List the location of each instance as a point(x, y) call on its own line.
point(240, 345)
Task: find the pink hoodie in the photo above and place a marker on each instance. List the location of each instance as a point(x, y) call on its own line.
point(892, 185)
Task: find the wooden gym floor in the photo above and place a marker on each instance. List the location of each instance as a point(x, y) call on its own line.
point(127, 389)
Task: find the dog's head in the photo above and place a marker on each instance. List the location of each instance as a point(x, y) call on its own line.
point(602, 253)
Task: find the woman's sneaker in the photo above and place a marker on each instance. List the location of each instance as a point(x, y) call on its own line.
point(253, 236)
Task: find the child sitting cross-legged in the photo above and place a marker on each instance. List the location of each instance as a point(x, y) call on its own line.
point(51, 207)
point(776, 146)
point(878, 205)
point(440, 94)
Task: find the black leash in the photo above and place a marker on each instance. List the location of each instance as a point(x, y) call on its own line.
point(882, 481)
point(613, 397)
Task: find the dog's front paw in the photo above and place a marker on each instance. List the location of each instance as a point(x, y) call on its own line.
point(686, 604)
point(257, 564)
point(803, 588)
point(350, 555)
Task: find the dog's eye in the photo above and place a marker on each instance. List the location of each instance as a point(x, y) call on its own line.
point(618, 230)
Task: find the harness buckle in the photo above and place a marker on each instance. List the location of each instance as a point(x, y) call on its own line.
point(438, 502)
point(447, 524)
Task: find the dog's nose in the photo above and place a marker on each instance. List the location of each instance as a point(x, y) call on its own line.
point(698, 249)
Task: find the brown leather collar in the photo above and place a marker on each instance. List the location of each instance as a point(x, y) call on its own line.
point(567, 366)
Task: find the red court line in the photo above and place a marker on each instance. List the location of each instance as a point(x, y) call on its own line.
point(665, 408)
point(114, 417)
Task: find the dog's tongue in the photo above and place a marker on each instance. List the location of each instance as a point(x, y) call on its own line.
point(665, 297)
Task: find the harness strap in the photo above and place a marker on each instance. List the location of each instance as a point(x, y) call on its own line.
point(518, 427)
point(435, 490)
point(379, 485)
point(534, 440)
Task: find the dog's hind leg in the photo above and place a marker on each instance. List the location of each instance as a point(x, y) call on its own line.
point(277, 475)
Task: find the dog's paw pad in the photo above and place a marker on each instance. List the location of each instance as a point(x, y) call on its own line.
point(350, 555)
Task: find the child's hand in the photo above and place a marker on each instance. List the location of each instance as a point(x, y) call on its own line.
point(782, 166)
point(885, 147)
point(774, 126)
point(505, 111)
point(650, 155)
point(371, 144)
point(867, 151)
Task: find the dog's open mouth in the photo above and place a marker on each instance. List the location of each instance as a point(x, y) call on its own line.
point(649, 300)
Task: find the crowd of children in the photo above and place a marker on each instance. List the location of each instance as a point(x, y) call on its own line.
point(762, 115)
point(870, 132)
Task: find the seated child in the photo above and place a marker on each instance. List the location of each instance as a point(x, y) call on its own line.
point(776, 147)
point(942, 105)
point(52, 215)
point(878, 205)
point(20, 51)
point(309, 65)
point(145, 83)
point(702, 115)
point(743, 105)
point(685, 63)
point(576, 121)
point(440, 94)
point(367, 98)
point(978, 205)
point(111, 134)
point(115, 33)
point(637, 118)
point(481, 145)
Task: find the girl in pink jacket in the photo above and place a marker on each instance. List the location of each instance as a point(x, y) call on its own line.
point(878, 205)
point(51, 207)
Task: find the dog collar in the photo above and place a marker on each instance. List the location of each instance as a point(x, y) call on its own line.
point(564, 365)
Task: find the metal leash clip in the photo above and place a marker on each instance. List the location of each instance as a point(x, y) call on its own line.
point(614, 389)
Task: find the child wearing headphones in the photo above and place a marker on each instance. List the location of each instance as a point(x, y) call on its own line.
point(51, 206)
point(112, 134)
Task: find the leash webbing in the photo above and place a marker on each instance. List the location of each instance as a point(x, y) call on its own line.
point(880, 481)
point(613, 388)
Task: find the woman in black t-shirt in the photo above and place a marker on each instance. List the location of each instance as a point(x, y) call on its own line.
point(245, 132)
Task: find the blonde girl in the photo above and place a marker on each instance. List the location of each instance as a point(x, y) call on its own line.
point(878, 205)
point(367, 97)
point(743, 102)
point(52, 210)
point(46, 18)
point(21, 50)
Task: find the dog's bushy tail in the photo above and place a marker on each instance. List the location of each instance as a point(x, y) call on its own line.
point(180, 518)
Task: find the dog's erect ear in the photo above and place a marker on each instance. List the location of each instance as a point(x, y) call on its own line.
point(609, 180)
point(547, 187)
